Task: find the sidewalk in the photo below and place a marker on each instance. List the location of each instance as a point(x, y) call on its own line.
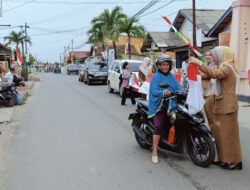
point(7, 112)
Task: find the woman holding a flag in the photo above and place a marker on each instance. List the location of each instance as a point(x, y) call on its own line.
point(127, 90)
point(156, 111)
point(226, 127)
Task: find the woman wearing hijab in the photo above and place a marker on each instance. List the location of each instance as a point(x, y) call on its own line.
point(226, 127)
point(208, 107)
point(156, 111)
point(145, 69)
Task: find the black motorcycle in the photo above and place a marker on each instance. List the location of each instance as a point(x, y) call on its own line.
point(8, 92)
point(191, 133)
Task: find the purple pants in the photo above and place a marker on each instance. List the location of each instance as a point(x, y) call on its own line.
point(160, 121)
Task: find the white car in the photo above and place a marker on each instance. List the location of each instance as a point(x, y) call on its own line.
point(115, 71)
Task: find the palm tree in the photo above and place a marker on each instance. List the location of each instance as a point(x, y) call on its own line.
point(96, 36)
point(129, 27)
point(108, 23)
point(17, 37)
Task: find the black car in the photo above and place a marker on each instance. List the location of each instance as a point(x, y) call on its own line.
point(72, 68)
point(96, 72)
point(57, 69)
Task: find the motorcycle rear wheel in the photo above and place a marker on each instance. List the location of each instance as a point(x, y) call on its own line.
point(140, 141)
point(203, 152)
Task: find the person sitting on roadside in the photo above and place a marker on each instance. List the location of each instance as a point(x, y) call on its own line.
point(156, 111)
point(127, 90)
point(9, 76)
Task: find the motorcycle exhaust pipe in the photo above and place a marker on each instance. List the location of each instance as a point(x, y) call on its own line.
point(139, 133)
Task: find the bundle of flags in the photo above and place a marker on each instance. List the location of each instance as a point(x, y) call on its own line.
point(144, 89)
point(195, 98)
point(134, 83)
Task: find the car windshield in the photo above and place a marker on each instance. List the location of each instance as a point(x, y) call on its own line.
point(134, 66)
point(73, 66)
point(98, 65)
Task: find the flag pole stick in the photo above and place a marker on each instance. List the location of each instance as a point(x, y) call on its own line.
point(183, 38)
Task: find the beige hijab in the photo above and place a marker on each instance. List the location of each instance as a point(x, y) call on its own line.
point(224, 56)
point(145, 68)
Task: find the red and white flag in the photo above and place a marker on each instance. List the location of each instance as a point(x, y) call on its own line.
point(133, 82)
point(19, 58)
point(195, 98)
point(144, 89)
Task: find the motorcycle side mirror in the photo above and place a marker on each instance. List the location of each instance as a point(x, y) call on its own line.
point(164, 85)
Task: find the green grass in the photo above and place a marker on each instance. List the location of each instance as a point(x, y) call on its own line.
point(25, 97)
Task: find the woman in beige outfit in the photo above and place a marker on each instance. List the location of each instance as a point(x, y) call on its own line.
point(208, 107)
point(226, 127)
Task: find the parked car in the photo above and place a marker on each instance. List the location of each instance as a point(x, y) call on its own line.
point(96, 72)
point(72, 68)
point(114, 75)
point(81, 73)
point(57, 69)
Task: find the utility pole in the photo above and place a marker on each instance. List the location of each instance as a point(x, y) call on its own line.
point(72, 41)
point(24, 67)
point(26, 51)
point(194, 25)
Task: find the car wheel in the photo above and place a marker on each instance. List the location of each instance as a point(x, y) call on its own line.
point(88, 81)
point(110, 90)
point(121, 91)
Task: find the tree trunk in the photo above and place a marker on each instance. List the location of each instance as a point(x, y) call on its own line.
point(114, 46)
point(129, 47)
point(103, 47)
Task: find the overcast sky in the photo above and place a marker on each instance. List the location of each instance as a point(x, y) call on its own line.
point(54, 23)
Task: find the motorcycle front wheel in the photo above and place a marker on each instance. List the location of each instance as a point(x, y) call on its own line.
point(201, 149)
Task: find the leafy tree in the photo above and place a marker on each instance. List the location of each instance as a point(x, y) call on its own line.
point(17, 37)
point(96, 36)
point(129, 26)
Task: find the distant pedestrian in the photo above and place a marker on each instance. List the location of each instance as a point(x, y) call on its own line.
point(9, 76)
point(2, 72)
point(184, 67)
point(145, 69)
point(127, 90)
point(226, 126)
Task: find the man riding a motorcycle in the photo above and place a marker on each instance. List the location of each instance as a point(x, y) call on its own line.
point(156, 111)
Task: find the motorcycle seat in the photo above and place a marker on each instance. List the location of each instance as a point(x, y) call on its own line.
point(143, 104)
point(5, 87)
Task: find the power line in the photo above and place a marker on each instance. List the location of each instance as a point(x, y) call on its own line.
point(157, 9)
point(148, 6)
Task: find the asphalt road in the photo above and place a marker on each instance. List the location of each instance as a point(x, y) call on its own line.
point(70, 136)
